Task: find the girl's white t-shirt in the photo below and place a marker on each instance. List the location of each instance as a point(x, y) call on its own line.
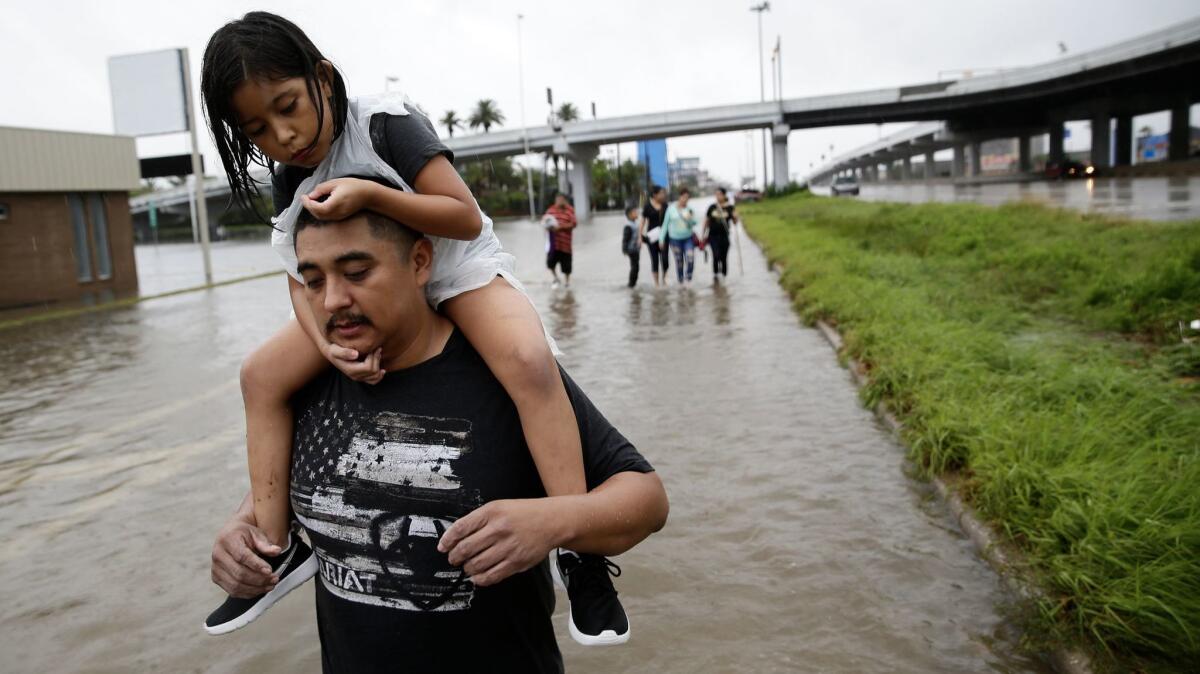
point(458, 266)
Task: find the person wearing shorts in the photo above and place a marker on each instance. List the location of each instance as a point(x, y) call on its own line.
point(558, 254)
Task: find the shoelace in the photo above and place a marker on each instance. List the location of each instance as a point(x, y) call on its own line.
point(597, 582)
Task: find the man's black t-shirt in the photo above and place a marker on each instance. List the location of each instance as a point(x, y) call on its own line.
point(378, 474)
point(719, 220)
point(411, 143)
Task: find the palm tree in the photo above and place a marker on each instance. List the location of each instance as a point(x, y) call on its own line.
point(486, 114)
point(568, 113)
point(451, 121)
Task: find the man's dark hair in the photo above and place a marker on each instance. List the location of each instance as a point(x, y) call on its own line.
point(382, 227)
point(722, 191)
point(655, 189)
point(684, 190)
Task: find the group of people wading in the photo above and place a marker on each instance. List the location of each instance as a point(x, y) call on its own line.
point(669, 230)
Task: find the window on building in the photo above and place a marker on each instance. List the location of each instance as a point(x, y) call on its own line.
point(3, 212)
point(99, 218)
point(83, 253)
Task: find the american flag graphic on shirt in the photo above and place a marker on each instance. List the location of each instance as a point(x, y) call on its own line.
point(376, 490)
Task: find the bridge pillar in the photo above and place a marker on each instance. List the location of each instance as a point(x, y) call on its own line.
point(1024, 160)
point(976, 159)
point(906, 168)
point(1101, 140)
point(581, 178)
point(930, 165)
point(1181, 132)
point(1056, 153)
point(779, 153)
point(1124, 140)
point(959, 164)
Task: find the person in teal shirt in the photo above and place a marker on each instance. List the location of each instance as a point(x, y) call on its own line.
point(678, 224)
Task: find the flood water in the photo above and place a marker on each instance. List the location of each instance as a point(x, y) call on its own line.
point(796, 542)
point(1148, 198)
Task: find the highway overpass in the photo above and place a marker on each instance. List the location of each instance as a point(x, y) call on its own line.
point(1157, 71)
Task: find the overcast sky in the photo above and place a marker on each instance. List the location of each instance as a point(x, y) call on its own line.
point(626, 56)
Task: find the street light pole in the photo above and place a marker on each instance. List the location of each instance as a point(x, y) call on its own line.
point(524, 129)
point(762, 85)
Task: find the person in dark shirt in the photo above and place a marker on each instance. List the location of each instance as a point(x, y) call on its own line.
point(419, 494)
point(719, 222)
point(652, 220)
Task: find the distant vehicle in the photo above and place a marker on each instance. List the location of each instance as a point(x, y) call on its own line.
point(1069, 169)
point(747, 194)
point(844, 185)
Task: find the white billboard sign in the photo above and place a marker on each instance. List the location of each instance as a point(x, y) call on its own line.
point(148, 94)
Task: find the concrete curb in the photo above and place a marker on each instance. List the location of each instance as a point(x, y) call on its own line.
point(1002, 557)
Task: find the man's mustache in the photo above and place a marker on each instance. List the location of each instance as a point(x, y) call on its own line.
point(344, 321)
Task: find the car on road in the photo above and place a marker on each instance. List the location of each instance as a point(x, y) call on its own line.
point(1069, 169)
point(747, 194)
point(844, 185)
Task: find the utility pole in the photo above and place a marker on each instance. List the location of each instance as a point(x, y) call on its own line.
point(524, 128)
point(762, 84)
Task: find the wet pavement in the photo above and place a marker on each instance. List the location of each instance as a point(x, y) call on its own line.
point(1175, 198)
point(796, 541)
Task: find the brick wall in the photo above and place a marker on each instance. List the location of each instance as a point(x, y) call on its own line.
point(37, 250)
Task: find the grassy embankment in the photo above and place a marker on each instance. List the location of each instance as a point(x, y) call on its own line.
point(1035, 354)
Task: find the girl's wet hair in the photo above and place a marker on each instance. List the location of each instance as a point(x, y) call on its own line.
point(267, 46)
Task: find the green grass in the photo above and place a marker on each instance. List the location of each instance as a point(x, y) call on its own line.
point(1036, 353)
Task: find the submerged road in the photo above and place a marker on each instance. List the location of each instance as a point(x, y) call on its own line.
point(1176, 198)
point(796, 541)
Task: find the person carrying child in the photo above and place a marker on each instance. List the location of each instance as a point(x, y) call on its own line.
point(273, 100)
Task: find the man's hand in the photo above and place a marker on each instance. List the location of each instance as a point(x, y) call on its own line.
point(343, 197)
point(237, 566)
point(346, 360)
point(501, 538)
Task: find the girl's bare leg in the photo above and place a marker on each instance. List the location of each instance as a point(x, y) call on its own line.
point(503, 327)
point(270, 377)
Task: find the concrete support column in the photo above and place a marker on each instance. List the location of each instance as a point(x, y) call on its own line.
point(779, 152)
point(1124, 141)
point(930, 166)
point(563, 176)
point(581, 179)
point(1101, 140)
point(976, 159)
point(906, 168)
point(1181, 132)
point(1024, 158)
point(959, 164)
point(1056, 143)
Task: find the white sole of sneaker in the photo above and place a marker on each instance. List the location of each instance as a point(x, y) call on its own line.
point(605, 638)
point(294, 580)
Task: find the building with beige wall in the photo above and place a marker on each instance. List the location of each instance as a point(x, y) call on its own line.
point(65, 228)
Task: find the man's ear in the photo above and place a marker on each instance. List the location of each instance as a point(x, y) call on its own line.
point(420, 258)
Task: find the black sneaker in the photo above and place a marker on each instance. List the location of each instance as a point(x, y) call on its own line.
point(294, 566)
point(596, 617)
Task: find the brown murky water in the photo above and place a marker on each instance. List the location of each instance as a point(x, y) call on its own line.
point(796, 543)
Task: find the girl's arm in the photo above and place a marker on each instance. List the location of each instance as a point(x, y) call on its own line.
point(441, 206)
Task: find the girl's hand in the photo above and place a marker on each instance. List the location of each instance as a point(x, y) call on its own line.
point(346, 360)
point(339, 198)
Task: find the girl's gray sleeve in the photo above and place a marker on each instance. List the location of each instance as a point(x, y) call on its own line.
point(413, 142)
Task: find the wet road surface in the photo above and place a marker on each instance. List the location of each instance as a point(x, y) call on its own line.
point(1176, 198)
point(796, 542)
